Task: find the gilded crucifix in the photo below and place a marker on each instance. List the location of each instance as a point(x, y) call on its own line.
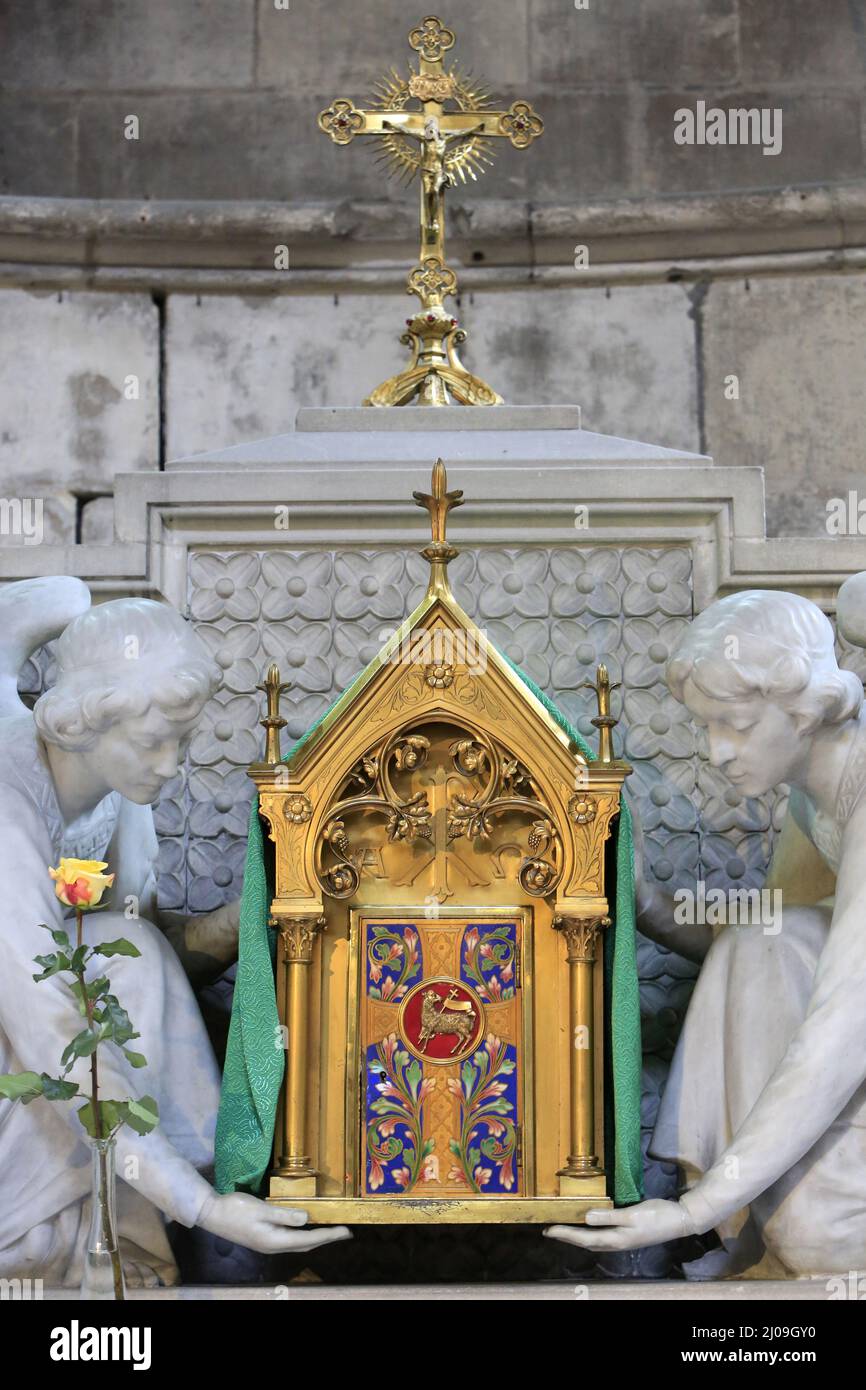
point(437, 146)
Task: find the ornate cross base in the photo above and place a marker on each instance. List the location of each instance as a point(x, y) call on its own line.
point(435, 376)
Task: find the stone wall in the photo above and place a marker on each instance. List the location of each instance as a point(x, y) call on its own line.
point(226, 92)
point(152, 322)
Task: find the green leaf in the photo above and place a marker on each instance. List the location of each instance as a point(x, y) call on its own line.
point(114, 1021)
point(52, 964)
point(120, 947)
point(454, 1147)
point(135, 1059)
point(24, 1086)
point(79, 959)
point(60, 938)
point(142, 1115)
point(112, 1113)
point(82, 1045)
point(55, 1088)
point(95, 989)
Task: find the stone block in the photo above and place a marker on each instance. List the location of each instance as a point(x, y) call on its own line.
point(207, 145)
point(69, 364)
point(821, 141)
point(619, 42)
point(677, 40)
point(796, 40)
point(342, 51)
point(120, 44)
point(586, 150)
point(38, 145)
point(238, 368)
point(594, 46)
point(97, 521)
point(797, 346)
point(625, 355)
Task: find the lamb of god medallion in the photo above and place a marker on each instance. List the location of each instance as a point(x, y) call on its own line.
point(441, 1020)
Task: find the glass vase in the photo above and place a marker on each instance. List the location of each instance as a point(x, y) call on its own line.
point(103, 1271)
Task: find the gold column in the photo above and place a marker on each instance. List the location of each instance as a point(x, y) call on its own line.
point(581, 937)
point(297, 939)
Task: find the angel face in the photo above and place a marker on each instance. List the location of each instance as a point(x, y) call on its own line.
point(138, 755)
point(753, 741)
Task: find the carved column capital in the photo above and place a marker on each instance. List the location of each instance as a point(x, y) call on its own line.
point(298, 937)
point(581, 937)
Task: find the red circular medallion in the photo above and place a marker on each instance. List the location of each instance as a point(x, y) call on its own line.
point(441, 1020)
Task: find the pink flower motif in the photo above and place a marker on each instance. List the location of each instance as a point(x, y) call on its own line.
point(470, 940)
point(494, 1127)
point(485, 949)
point(401, 1177)
point(493, 1088)
point(385, 1088)
point(494, 1048)
point(494, 988)
point(388, 987)
point(427, 1085)
point(507, 972)
point(389, 1047)
point(386, 1127)
point(377, 1174)
point(506, 1174)
point(456, 1175)
point(396, 951)
point(482, 1176)
point(375, 971)
point(454, 1087)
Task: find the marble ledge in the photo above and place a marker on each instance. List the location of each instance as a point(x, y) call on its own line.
point(573, 1291)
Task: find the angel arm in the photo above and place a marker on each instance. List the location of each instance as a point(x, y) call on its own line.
point(821, 1069)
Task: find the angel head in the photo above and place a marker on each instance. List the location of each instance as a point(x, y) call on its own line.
point(132, 681)
point(758, 670)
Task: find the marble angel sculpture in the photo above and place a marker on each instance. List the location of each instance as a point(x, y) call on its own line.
point(78, 776)
point(765, 1107)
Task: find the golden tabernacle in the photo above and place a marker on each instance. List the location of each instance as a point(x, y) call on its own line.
point(441, 893)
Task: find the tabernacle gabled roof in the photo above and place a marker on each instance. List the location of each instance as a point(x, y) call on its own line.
point(439, 601)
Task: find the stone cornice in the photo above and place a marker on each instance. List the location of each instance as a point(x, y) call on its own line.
point(716, 512)
point(230, 245)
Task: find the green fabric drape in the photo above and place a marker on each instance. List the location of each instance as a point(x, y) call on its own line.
point(255, 1058)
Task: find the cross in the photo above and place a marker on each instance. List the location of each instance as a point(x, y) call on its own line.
point(437, 146)
point(441, 852)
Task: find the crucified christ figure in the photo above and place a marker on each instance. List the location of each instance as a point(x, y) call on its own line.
point(435, 177)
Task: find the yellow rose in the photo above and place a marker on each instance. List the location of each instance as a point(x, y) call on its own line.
point(80, 882)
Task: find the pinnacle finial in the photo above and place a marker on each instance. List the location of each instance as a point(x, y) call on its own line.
point(604, 720)
point(273, 721)
point(439, 502)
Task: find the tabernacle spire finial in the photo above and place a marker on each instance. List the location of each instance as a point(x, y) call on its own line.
point(439, 502)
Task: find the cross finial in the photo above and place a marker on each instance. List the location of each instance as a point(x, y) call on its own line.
point(439, 502)
point(437, 146)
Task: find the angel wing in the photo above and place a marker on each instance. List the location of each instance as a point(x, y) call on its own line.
point(33, 612)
